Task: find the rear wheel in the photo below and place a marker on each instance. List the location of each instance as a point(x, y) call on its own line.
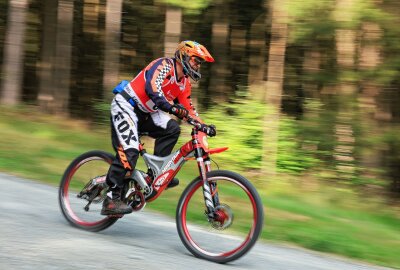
point(82, 191)
point(237, 221)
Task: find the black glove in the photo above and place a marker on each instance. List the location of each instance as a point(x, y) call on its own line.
point(179, 111)
point(209, 130)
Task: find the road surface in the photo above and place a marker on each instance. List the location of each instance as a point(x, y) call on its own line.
point(35, 235)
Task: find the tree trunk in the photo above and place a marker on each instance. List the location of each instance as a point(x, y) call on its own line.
point(220, 72)
point(88, 54)
point(173, 30)
point(112, 46)
point(3, 24)
point(273, 94)
point(91, 10)
point(46, 64)
point(239, 60)
point(63, 55)
point(257, 57)
point(346, 91)
point(311, 66)
point(369, 60)
point(11, 83)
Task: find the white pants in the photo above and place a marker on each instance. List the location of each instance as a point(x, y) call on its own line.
point(125, 122)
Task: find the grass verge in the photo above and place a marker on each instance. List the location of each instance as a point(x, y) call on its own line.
point(300, 211)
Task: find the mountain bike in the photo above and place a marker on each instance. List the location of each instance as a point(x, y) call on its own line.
point(219, 216)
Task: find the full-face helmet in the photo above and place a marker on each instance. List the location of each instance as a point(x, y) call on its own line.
point(191, 55)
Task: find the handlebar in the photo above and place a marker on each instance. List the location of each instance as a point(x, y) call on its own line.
point(209, 130)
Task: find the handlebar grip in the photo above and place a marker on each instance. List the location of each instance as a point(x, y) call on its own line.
point(209, 130)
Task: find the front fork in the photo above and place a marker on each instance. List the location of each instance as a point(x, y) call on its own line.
point(209, 188)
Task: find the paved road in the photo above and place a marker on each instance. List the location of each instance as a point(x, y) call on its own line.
point(35, 235)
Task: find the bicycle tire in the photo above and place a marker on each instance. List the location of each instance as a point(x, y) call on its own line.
point(104, 221)
point(255, 230)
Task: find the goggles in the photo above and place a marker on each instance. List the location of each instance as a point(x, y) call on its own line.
point(198, 60)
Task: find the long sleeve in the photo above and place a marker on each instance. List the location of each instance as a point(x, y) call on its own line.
point(185, 100)
point(154, 79)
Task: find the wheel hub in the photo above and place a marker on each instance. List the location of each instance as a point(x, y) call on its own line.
point(223, 217)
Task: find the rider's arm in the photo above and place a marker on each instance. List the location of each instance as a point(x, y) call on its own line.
point(155, 76)
point(185, 100)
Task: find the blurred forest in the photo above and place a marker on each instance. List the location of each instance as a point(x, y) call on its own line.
point(311, 86)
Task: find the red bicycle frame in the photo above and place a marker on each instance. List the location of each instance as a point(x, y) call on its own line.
point(198, 148)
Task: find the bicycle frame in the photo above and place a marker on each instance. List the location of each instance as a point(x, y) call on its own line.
point(164, 169)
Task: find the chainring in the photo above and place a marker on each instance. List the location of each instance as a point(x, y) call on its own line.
point(136, 200)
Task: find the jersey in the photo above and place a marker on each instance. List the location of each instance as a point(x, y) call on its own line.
point(157, 87)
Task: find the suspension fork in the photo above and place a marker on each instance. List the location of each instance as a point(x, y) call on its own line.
point(213, 185)
point(204, 167)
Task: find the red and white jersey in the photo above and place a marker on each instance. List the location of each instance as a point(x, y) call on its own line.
point(157, 87)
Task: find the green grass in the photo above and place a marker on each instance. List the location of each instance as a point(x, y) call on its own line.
point(354, 231)
point(301, 211)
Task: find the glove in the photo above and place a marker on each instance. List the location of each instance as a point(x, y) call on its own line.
point(179, 111)
point(210, 130)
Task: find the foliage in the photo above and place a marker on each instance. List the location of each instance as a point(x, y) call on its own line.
point(388, 72)
point(294, 152)
point(391, 157)
point(368, 11)
point(311, 21)
point(102, 112)
point(314, 27)
point(239, 126)
point(188, 6)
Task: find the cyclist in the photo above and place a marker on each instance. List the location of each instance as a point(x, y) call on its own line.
point(142, 105)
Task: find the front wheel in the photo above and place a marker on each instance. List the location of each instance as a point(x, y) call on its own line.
point(82, 191)
point(237, 221)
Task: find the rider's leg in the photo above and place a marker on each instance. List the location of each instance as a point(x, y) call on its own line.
point(125, 142)
point(166, 131)
point(166, 141)
point(113, 204)
point(124, 161)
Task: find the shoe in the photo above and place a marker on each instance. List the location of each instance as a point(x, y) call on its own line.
point(173, 183)
point(115, 207)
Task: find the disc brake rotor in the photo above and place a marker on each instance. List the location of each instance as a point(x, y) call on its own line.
point(223, 217)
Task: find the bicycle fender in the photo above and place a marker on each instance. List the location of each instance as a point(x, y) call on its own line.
point(217, 150)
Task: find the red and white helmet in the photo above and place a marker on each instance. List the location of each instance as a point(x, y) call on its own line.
point(191, 49)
